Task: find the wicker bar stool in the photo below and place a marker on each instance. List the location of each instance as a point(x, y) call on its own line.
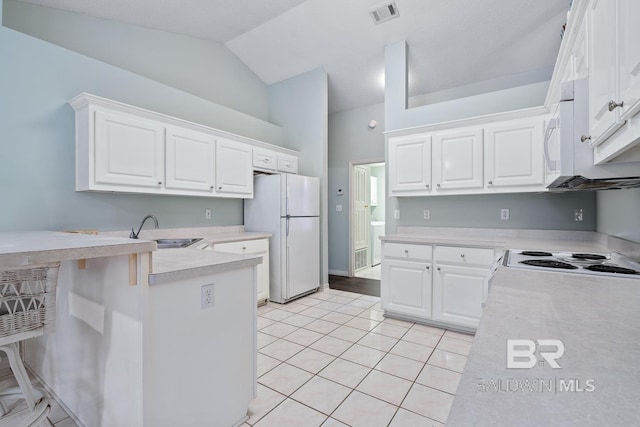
point(27, 310)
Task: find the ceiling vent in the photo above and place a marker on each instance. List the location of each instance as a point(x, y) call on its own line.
point(383, 12)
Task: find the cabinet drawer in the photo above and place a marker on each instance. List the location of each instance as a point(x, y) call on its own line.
point(243, 247)
point(264, 160)
point(287, 164)
point(407, 251)
point(465, 256)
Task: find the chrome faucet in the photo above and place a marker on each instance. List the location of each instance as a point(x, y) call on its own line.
point(134, 235)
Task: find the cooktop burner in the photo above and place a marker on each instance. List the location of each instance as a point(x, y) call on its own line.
point(603, 268)
point(588, 256)
point(548, 263)
point(535, 253)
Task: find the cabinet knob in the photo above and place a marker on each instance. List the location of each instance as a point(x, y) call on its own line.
point(461, 255)
point(438, 268)
point(427, 185)
point(212, 187)
point(613, 105)
point(490, 183)
point(438, 185)
point(427, 267)
point(244, 248)
point(159, 182)
point(585, 138)
point(219, 188)
point(406, 251)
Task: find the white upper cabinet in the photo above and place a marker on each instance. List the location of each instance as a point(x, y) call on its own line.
point(514, 153)
point(122, 148)
point(629, 56)
point(234, 172)
point(409, 165)
point(190, 160)
point(458, 159)
point(128, 151)
point(603, 81)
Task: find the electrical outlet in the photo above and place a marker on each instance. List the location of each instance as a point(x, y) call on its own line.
point(338, 208)
point(206, 296)
point(577, 215)
point(339, 191)
point(207, 214)
point(504, 213)
point(396, 214)
point(426, 214)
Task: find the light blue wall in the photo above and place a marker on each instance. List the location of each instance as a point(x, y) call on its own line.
point(619, 213)
point(300, 105)
point(351, 140)
point(37, 145)
point(398, 116)
point(543, 211)
point(203, 68)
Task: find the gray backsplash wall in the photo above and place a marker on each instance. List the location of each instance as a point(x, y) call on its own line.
point(618, 213)
point(527, 210)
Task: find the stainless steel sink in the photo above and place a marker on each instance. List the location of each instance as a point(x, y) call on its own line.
point(175, 243)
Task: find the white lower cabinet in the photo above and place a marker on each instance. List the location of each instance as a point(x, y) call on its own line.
point(458, 294)
point(409, 287)
point(252, 247)
point(443, 285)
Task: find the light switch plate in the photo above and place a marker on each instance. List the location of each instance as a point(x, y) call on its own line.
point(338, 208)
point(396, 214)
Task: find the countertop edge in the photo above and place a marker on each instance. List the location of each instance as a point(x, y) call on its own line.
point(215, 268)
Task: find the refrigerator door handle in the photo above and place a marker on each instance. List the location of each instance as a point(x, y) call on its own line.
point(287, 226)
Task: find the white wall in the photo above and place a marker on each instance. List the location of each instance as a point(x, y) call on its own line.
point(300, 106)
point(203, 68)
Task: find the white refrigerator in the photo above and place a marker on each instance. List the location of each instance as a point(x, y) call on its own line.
point(288, 207)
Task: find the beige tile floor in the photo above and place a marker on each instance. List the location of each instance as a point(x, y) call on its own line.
point(333, 359)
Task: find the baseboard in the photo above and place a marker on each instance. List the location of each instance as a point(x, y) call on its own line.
point(324, 286)
point(339, 273)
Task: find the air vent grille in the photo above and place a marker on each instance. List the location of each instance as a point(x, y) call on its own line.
point(383, 12)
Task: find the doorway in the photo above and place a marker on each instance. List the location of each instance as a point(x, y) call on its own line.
point(367, 218)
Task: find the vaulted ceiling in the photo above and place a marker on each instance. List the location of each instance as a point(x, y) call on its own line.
point(452, 43)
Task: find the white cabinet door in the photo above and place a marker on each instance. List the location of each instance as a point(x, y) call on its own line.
point(629, 56)
point(514, 154)
point(252, 247)
point(406, 287)
point(189, 160)
point(602, 70)
point(410, 165)
point(458, 294)
point(234, 168)
point(129, 151)
point(457, 159)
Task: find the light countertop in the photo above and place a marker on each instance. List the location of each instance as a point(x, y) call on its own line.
point(179, 264)
point(596, 319)
point(40, 247)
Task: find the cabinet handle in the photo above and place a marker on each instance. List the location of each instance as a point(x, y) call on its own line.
point(159, 182)
point(267, 160)
point(490, 182)
point(585, 138)
point(461, 255)
point(244, 248)
point(438, 185)
point(438, 268)
point(613, 105)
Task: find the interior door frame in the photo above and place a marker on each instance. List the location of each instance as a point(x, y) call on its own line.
point(352, 164)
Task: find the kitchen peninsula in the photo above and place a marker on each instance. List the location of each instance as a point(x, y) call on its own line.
point(134, 344)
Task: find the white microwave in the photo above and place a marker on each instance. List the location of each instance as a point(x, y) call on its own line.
point(568, 154)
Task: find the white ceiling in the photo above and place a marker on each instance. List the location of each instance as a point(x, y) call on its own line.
point(452, 43)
